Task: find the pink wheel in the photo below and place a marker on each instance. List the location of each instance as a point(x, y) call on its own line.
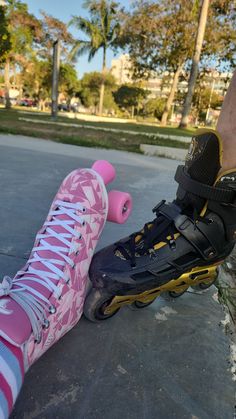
point(105, 170)
point(120, 206)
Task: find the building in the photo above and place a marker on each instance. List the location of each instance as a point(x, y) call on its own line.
point(160, 84)
point(121, 68)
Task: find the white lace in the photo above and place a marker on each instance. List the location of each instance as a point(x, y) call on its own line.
point(36, 305)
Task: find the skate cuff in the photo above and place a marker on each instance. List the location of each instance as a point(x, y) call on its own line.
point(202, 190)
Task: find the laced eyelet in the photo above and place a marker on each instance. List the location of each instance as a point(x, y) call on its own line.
point(77, 253)
point(210, 254)
point(84, 209)
point(59, 298)
point(37, 341)
point(52, 309)
point(172, 244)
point(67, 280)
point(46, 324)
point(152, 253)
point(80, 237)
point(83, 223)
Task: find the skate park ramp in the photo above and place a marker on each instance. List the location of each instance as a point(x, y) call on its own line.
point(169, 360)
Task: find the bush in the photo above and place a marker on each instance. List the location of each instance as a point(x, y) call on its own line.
point(154, 108)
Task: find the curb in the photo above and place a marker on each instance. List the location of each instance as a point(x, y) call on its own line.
point(159, 151)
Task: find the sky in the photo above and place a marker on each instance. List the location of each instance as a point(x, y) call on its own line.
point(63, 10)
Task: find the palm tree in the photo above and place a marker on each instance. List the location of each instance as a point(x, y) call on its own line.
point(102, 32)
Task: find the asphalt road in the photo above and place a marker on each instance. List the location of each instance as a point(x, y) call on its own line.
point(167, 361)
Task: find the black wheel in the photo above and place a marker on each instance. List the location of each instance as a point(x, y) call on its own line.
point(170, 295)
point(140, 304)
point(176, 294)
point(95, 305)
point(203, 286)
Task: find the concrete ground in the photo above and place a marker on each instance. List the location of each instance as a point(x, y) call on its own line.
point(167, 361)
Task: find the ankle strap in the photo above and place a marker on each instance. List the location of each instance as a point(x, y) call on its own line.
point(201, 189)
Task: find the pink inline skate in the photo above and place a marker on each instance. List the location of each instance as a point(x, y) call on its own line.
point(45, 299)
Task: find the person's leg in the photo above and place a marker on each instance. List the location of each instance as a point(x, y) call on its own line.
point(227, 129)
point(11, 376)
point(226, 126)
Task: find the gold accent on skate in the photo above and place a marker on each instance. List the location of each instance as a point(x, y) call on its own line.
point(162, 244)
point(205, 274)
point(139, 236)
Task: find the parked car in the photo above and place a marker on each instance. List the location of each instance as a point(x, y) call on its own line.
point(28, 102)
point(64, 107)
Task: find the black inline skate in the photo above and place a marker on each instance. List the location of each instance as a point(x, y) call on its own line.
point(182, 247)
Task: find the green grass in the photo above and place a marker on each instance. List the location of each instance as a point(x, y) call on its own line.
point(10, 123)
point(129, 126)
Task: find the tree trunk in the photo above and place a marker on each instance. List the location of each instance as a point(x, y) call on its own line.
point(7, 84)
point(102, 89)
point(42, 106)
point(195, 63)
point(171, 96)
point(20, 93)
point(55, 77)
point(132, 112)
point(101, 99)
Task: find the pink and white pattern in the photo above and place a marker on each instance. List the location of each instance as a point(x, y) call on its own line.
point(87, 188)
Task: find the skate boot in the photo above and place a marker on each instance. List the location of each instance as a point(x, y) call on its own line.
point(45, 299)
point(182, 247)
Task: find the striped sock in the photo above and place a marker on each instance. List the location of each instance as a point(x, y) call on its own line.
point(11, 376)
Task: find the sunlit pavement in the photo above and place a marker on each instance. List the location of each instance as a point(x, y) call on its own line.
point(167, 361)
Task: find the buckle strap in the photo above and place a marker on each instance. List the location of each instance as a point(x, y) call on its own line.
point(202, 190)
point(204, 243)
point(170, 210)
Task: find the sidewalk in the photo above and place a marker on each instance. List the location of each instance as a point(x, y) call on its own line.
point(167, 361)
